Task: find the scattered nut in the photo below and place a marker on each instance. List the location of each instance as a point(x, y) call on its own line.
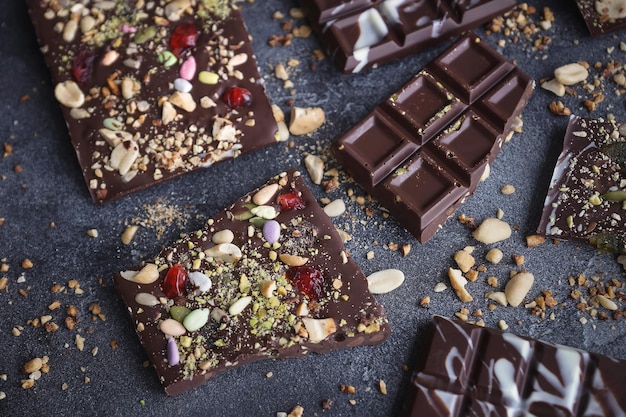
point(315, 167)
point(518, 287)
point(306, 120)
point(458, 282)
point(384, 281)
point(492, 230)
point(571, 74)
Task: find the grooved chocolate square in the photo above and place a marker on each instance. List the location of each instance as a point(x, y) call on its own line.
point(457, 111)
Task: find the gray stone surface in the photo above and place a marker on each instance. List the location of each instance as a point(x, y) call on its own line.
point(115, 382)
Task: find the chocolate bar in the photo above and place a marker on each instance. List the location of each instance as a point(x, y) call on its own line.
point(267, 277)
point(152, 90)
point(602, 16)
point(423, 151)
point(585, 200)
point(466, 370)
point(360, 34)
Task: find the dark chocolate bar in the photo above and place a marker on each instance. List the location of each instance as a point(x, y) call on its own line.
point(425, 149)
point(466, 370)
point(152, 90)
point(603, 16)
point(360, 34)
point(267, 277)
point(585, 200)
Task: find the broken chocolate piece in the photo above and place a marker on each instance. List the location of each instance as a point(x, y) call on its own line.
point(467, 370)
point(360, 34)
point(422, 152)
point(603, 16)
point(266, 278)
point(585, 200)
point(152, 91)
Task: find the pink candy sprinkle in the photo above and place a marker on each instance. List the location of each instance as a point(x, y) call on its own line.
point(188, 69)
point(126, 28)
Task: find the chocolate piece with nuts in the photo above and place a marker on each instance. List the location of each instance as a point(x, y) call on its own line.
point(267, 277)
point(585, 201)
point(152, 90)
point(603, 16)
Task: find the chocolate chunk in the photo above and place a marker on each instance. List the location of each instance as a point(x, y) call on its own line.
point(360, 34)
point(271, 274)
point(150, 93)
point(466, 370)
point(586, 196)
point(603, 16)
point(425, 149)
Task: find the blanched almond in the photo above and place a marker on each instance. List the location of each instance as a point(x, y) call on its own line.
point(518, 287)
point(384, 281)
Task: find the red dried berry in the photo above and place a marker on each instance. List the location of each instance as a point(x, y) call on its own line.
point(82, 66)
point(237, 97)
point(173, 284)
point(183, 38)
point(291, 201)
point(308, 280)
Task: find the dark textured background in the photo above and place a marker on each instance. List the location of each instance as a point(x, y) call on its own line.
point(50, 189)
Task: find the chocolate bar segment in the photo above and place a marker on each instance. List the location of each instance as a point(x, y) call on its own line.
point(360, 34)
point(152, 91)
point(586, 196)
point(466, 370)
point(268, 277)
point(602, 16)
point(425, 149)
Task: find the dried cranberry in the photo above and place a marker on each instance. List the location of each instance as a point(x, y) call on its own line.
point(291, 201)
point(183, 38)
point(237, 97)
point(82, 66)
point(173, 284)
point(308, 280)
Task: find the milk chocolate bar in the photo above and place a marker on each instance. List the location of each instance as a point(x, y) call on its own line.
point(466, 370)
point(152, 90)
point(602, 16)
point(423, 151)
point(267, 277)
point(360, 34)
point(585, 200)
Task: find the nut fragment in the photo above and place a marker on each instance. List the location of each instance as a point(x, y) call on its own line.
point(292, 260)
point(494, 256)
point(464, 260)
point(571, 74)
point(319, 329)
point(384, 281)
point(518, 287)
point(33, 365)
point(315, 167)
point(128, 234)
point(305, 120)
point(335, 208)
point(492, 230)
point(554, 86)
point(458, 282)
point(147, 275)
point(265, 194)
point(225, 251)
point(69, 94)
